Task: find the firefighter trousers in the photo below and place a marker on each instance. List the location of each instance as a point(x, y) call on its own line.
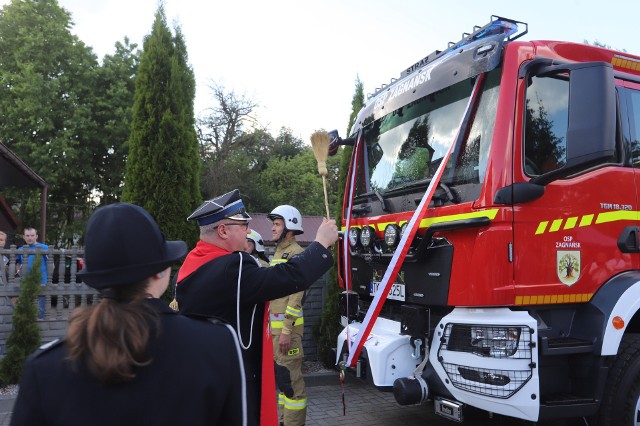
point(292, 399)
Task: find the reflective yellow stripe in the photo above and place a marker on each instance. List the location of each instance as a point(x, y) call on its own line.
point(425, 223)
point(541, 227)
point(550, 299)
point(281, 398)
point(571, 222)
point(279, 324)
point(293, 311)
point(295, 404)
point(555, 225)
point(587, 220)
point(617, 215)
point(277, 261)
point(490, 214)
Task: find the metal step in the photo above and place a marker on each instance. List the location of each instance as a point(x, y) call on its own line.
point(566, 399)
point(565, 346)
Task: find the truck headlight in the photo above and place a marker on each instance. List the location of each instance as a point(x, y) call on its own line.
point(354, 237)
point(391, 235)
point(367, 236)
point(403, 228)
point(499, 342)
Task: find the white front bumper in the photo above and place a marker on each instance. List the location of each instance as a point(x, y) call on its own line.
point(390, 357)
point(389, 353)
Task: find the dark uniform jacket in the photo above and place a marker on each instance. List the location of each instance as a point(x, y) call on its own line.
point(190, 381)
point(212, 290)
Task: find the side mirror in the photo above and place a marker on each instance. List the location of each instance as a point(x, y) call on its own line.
point(336, 141)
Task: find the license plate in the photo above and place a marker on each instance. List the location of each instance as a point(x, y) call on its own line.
point(396, 292)
point(448, 409)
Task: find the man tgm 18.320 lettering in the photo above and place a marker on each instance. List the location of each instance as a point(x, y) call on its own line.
point(491, 251)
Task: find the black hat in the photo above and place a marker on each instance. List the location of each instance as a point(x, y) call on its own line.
point(123, 245)
point(227, 206)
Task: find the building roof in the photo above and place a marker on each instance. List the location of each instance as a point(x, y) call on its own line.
point(15, 173)
point(262, 224)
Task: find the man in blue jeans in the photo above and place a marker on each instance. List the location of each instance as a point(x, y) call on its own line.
point(30, 236)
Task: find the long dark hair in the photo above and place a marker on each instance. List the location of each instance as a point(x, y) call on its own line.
point(111, 337)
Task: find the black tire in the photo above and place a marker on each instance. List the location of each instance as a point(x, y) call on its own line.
point(621, 400)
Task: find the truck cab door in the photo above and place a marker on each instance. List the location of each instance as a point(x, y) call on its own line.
point(629, 99)
point(567, 236)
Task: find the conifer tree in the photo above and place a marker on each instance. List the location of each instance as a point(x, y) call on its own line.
point(163, 166)
point(329, 326)
point(25, 337)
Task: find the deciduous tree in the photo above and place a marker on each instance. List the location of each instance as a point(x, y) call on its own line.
point(114, 96)
point(296, 181)
point(46, 97)
point(220, 131)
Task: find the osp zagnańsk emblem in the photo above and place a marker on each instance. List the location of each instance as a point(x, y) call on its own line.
point(568, 266)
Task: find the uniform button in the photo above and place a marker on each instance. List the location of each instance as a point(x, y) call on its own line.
point(324, 256)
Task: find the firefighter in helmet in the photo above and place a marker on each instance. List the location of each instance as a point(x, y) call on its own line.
point(287, 323)
point(255, 247)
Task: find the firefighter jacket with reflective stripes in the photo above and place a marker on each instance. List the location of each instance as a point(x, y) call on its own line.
point(286, 312)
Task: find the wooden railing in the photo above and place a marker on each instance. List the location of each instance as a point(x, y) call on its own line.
point(63, 291)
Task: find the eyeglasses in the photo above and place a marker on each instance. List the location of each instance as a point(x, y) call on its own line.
point(243, 224)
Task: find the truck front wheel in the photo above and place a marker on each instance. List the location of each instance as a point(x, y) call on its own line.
point(621, 400)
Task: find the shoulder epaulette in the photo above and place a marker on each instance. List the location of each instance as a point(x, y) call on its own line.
point(48, 346)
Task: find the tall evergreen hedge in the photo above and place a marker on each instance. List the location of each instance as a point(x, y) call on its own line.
point(163, 167)
point(25, 337)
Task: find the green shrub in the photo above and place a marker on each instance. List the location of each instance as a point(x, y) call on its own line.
point(25, 337)
point(327, 330)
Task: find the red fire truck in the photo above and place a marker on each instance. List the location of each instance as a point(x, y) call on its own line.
point(491, 251)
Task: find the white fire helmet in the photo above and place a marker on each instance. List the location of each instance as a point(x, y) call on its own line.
point(257, 240)
point(291, 217)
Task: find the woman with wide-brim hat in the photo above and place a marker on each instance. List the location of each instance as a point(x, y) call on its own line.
point(130, 359)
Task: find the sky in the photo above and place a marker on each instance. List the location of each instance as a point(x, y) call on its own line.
point(299, 60)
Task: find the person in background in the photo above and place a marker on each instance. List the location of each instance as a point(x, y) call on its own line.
point(30, 236)
point(218, 278)
point(255, 247)
point(287, 322)
point(130, 359)
point(4, 275)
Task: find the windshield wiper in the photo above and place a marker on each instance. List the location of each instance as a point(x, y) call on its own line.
point(446, 195)
point(383, 202)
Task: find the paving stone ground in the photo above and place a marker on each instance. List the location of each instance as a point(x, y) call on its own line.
point(364, 405)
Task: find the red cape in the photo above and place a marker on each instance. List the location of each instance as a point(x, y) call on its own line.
point(201, 254)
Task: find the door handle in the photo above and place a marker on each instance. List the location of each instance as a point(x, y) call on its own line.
point(628, 241)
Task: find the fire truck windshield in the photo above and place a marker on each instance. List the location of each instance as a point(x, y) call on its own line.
point(404, 148)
